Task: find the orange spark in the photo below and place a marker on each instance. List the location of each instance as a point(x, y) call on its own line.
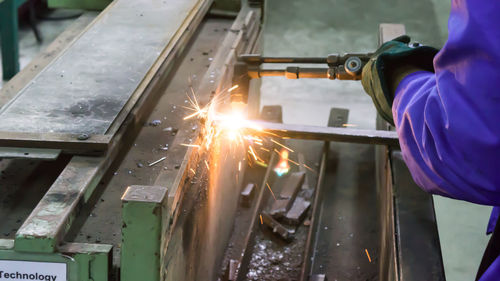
point(285, 147)
point(272, 193)
point(190, 145)
point(206, 164)
point(253, 153)
point(368, 255)
point(309, 168)
point(261, 220)
point(233, 88)
point(349, 125)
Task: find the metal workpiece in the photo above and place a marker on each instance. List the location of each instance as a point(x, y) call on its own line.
point(276, 227)
point(319, 133)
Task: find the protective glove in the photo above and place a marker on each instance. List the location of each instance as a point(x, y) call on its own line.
point(393, 61)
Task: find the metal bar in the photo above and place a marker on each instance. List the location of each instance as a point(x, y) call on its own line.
point(306, 262)
point(29, 153)
point(326, 133)
point(82, 143)
point(50, 220)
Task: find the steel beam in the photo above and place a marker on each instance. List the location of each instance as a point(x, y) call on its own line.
point(325, 133)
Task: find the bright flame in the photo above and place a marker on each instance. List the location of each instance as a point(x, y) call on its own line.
point(230, 123)
point(283, 167)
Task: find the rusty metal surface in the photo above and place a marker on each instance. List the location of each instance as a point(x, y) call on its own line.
point(328, 133)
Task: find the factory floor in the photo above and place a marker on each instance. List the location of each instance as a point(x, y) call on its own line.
point(320, 27)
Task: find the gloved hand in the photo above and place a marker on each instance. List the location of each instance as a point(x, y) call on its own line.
point(393, 61)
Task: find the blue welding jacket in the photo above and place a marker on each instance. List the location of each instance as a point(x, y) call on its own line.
point(448, 122)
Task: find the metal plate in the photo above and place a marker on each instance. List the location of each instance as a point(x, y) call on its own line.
point(28, 153)
point(85, 89)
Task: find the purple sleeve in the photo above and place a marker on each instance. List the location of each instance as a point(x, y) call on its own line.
point(449, 122)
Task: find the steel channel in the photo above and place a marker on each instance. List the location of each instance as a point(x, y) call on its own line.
point(326, 133)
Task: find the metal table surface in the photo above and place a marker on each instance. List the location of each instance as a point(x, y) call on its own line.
point(84, 89)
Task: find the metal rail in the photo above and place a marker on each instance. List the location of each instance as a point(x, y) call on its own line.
point(326, 133)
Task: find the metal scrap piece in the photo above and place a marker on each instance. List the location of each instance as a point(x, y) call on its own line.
point(298, 211)
point(247, 195)
point(276, 227)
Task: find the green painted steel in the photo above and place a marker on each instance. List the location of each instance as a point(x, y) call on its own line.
point(144, 215)
point(93, 260)
point(9, 37)
point(79, 4)
point(227, 5)
point(35, 244)
point(85, 262)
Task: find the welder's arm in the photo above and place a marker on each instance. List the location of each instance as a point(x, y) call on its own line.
point(448, 122)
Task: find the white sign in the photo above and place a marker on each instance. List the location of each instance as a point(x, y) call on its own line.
point(28, 271)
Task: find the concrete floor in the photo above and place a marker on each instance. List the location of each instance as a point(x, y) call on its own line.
point(29, 47)
point(319, 27)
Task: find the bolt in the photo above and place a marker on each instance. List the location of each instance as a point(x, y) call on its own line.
point(83, 137)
